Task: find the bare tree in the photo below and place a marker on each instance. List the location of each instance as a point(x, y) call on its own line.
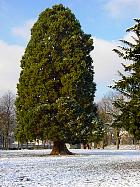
point(108, 113)
point(7, 118)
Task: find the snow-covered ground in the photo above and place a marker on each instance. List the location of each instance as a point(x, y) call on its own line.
point(89, 168)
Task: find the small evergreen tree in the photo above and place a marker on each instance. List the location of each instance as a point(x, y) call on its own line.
point(56, 88)
point(129, 85)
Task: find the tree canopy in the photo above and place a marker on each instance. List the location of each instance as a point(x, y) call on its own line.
point(129, 85)
point(56, 88)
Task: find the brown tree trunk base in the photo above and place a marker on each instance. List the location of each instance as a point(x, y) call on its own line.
point(59, 148)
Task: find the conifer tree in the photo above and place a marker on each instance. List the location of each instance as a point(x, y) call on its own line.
point(129, 85)
point(56, 88)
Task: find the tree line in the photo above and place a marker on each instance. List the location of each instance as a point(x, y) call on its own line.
point(7, 119)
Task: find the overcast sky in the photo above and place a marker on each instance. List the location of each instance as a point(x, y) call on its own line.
point(105, 20)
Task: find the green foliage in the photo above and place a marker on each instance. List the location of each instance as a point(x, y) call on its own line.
point(56, 88)
point(129, 85)
point(98, 133)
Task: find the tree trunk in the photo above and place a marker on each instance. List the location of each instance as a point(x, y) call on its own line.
point(18, 145)
point(3, 142)
point(117, 139)
point(59, 148)
point(6, 142)
point(27, 144)
point(139, 144)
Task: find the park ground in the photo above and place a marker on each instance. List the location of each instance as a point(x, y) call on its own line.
point(88, 168)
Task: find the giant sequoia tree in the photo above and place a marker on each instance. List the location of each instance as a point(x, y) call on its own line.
point(129, 85)
point(56, 88)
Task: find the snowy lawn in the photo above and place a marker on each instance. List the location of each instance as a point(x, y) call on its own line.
point(91, 168)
